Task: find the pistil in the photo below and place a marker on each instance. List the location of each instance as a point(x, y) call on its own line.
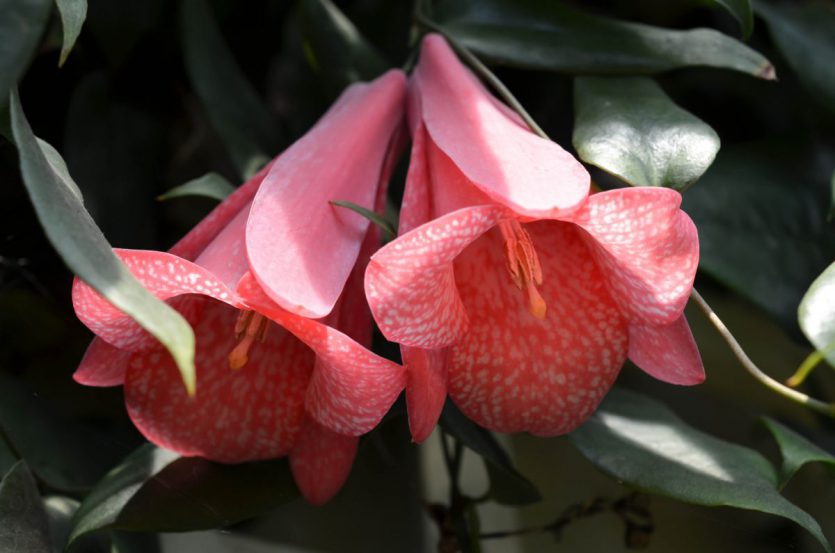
point(523, 265)
point(249, 327)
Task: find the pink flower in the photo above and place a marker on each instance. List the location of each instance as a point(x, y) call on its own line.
point(509, 287)
point(270, 380)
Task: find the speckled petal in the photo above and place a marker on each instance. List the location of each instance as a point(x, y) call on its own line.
point(351, 388)
point(164, 275)
point(300, 247)
point(410, 283)
point(321, 462)
point(255, 412)
point(528, 174)
point(667, 352)
point(426, 388)
point(513, 372)
point(648, 250)
point(102, 365)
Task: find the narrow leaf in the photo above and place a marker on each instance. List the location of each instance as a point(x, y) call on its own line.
point(816, 314)
point(231, 102)
point(629, 127)
point(21, 24)
point(795, 449)
point(742, 11)
point(642, 443)
point(24, 527)
point(86, 252)
point(210, 185)
point(73, 13)
point(552, 36)
point(375, 218)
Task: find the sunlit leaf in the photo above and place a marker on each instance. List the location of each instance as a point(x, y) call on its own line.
point(86, 252)
point(24, 527)
point(210, 185)
point(795, 449)
point(816, 313)
point(21, 25)
point(645, 445)
point(73, 13)
point(629, 127)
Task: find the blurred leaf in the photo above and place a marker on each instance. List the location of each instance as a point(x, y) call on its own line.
point(832, 199)
point(21, 25)
point(73, 13)
point(210, 185)
point(803, 31)
point(24, 525)
point(816, 314)
point(119, 26)
point(761, 215)
point(548, 35)
point(156, 490)
point(134, 542)
point(7, 458)
point(59, 513)
point(795, 449)
point(335, 48)
point(375, 218)
point(86, 252)
point(231, 102)
point(507, 486)
point(642, 443)
point(629, 127)
point(742, 12)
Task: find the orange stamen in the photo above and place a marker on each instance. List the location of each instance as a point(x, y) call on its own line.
point(523, 265)
point(249, 327)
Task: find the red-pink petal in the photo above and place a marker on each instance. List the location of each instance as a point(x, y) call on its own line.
point(528, 174)
point(252, 413)
point(300, 247)
point(351, 388)
point(513, 372)
point(410, 283)
point(321, 462)
point(102, 365)
point(667, 352)
point(164, 275)
point(416, 207)
point(647, 248)
point(426, 388)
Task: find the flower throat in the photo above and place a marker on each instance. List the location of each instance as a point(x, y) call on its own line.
point(523, 265)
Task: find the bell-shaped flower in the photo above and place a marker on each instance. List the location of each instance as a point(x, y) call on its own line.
point(509, 287)
point(271, 381)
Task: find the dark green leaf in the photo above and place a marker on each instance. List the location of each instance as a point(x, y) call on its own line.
point(816, 314)
point(375, 218)
point(210, 185)
point(59, 513)
point(804, 33)
point(86, 252)
point(23, 523)
point(232, 104)
point(156, 490)
point(642, 443)
point(761, 215)
point(742, 12)
point(795, 449)
point(73, 13)
point(335, 48)
point(832, 199)
point(506, 484)
point(7, 458)
point(629, 127)
point(551, 36)
point(21, 25)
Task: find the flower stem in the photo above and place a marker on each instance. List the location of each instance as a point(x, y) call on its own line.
point(789, 393)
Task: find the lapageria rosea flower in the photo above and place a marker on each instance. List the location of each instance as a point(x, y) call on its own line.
point(270, 380)
point(509, 287)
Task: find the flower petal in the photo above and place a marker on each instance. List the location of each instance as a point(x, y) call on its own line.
point(647, 248)
point(416, 207)
point(321, 462)
point(351, 388)
point(667, 352)
point(164, 275)
point(528, 174)
point(102, 365)
point(301, 248)
point(252, 413)
point(514, 372)
point(410, 283)
point(426, 389)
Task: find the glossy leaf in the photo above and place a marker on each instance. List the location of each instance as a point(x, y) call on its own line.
point(231, 102)
point(86, 252)
point(24, 527)
point(803, 31)
point(334, 46)
point(816, 313)
point(629, 127)
point(210, 185)
point(21, 25)
point(507, 485)
point(551, 36)
point(645, 445)
point(742, 11)
point(795, 450)
point(156, 490)
point(59, 513)
point(73, 13)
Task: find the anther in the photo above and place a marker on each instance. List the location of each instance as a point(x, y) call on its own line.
point(523, 265)
point(249, 327)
